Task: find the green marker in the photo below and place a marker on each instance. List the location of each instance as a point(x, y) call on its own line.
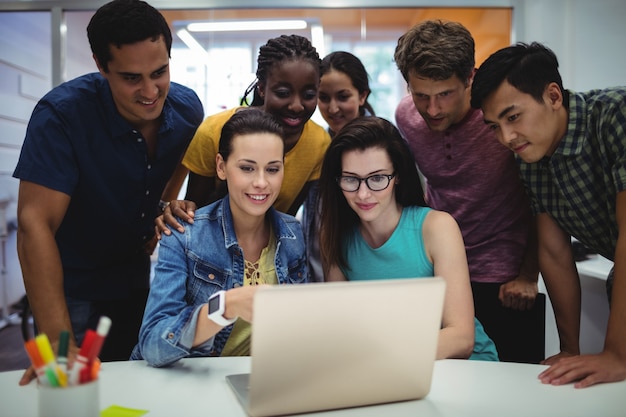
point(64, 343)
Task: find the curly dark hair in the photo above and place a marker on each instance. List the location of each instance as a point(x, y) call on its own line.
point(284, 47)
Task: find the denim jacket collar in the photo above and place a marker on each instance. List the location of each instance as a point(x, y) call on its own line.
point(281, 228)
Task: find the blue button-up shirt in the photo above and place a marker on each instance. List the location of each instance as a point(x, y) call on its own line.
point(77, 143)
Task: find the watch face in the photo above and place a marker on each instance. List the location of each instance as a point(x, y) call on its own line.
point(214, 304)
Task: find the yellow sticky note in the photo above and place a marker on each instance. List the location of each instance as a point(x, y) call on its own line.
point(119, 411)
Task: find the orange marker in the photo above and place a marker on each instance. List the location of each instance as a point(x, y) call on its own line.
point(95, 368)
point(37, 361)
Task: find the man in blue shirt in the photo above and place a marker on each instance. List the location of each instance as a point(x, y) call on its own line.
point(571, 149)
point(98, 153)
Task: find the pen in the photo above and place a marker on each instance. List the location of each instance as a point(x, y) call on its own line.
point(64, 341)
point(38, 363)
point(52, 369)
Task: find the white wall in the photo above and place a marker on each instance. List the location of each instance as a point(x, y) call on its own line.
point(587, 37)
point(25, 68)
point(25, 75)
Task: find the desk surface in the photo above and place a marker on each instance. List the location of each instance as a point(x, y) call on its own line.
point(196, 387)
point(596, 267)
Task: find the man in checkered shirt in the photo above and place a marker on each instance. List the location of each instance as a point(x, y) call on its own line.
point(571, 149)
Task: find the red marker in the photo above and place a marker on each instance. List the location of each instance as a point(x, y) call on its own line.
point(104, 324)
point(101, 333)
point(81, 359)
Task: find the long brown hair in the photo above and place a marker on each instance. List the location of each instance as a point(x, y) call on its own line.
point(337, 218)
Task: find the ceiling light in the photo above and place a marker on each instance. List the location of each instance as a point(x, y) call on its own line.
point(191, 42)
point(241, 25)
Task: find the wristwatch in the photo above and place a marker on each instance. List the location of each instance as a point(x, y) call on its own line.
point(163, 205)
point(217, 306)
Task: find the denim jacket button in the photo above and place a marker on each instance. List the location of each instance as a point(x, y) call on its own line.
point(211, 276)
point(170, 336)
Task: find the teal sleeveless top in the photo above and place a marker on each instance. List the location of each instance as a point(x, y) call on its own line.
point(403, 256)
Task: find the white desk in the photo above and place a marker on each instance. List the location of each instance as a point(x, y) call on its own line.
point(196, 387)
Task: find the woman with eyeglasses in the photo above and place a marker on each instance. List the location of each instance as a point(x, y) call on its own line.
point(375, 225)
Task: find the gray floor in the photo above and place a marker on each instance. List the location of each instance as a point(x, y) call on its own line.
point(12, 353)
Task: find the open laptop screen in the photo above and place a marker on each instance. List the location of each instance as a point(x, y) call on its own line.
point(334, 345)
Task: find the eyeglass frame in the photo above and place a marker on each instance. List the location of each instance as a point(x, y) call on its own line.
point(366, 180)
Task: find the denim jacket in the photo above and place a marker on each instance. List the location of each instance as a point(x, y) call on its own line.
point(193, 265)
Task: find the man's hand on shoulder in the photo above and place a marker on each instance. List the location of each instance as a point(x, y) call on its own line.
point(183, 209)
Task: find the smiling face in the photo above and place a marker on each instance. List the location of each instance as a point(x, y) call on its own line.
point(254, 173)
point(529, 128)
point(290, 95)
point(139, 79)
point(441, 103)
point(370, 206)
point(339, 100)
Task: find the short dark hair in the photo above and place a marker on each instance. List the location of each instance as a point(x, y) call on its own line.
point(337, 218)
point(123, 22)
point(282, 48)
point(527, 67)
point(349, 64)
point(437, 50)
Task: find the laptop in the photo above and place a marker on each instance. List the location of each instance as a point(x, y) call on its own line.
point(324, 346)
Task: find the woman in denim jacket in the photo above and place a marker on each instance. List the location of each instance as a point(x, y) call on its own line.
point(233, 245)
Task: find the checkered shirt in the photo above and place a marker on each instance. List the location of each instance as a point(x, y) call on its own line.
point(578, 185)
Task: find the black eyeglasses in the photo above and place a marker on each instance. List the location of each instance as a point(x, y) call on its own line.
point(376, 182)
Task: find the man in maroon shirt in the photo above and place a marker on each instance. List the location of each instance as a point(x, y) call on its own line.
point(471, 176)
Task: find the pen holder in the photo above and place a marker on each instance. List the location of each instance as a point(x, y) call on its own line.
point(73, 401)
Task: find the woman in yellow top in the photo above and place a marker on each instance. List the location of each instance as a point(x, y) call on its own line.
point(288, 77)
